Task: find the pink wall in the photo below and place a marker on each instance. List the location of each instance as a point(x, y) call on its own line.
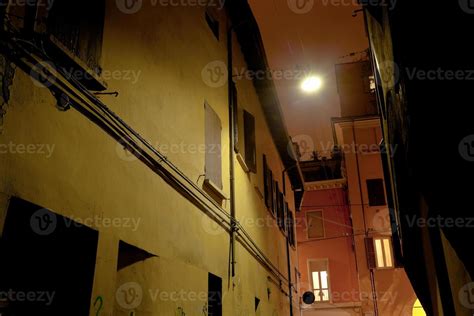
point(336, 246)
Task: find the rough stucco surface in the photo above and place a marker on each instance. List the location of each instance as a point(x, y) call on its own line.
point(86, 174)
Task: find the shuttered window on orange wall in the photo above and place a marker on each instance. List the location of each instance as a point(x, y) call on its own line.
point(370, 253)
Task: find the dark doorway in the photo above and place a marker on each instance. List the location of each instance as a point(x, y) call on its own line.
point(47, 263)
point(214, 295)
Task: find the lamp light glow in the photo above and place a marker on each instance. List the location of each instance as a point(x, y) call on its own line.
point(311, 84)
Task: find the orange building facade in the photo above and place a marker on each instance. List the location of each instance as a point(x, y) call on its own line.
point(345, 247)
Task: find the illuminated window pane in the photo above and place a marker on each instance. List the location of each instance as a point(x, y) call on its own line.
point(379, 253)
point(388, 253)
point(324, 279)
point(316, 280)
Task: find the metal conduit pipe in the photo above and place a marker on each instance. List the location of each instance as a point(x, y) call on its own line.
point(118, 129)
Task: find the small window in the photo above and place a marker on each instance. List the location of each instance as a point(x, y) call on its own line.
point(213, 23)
point(214, 295)
point(383, 253)
point(213, 159)
point(315, 224)
point(320, 279)
point(376, 192)
point(257, 304)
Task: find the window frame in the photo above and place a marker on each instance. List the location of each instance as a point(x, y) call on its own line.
point(371, 201)
point(307, 224)
point(384, 253)
point(250, 141)
point(310, 275)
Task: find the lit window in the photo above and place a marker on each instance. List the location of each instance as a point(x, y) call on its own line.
point(320, 280)
point(383, 253)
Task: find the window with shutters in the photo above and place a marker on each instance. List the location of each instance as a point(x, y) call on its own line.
point(246, 141)
point(250, 144)
point(315, 224)
point(319, 272)
point(281, 211)
point(72, 33)
point(275, 192)
point(379, 253)
point(268, 186)
point(78, 25)
point(376, 192)
point(291, 229)
point(213, 160)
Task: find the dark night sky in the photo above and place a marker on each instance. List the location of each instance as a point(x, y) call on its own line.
point(316, 40)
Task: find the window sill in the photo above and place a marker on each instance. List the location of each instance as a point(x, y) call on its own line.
point(214, 191)
point(73, 64)
point(242, 163)
point(329, 305)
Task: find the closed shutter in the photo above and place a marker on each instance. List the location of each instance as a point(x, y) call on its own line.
point(370, 253)
point(397, 253)
point(250, 150)
point(268, 184)
point(275, 198)
point(79, 25)
point(213, 161)
point(281, 211)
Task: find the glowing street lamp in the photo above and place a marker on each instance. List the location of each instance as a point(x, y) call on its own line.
point(311, 84)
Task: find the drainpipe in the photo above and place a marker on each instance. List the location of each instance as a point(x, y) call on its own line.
point(231, 150)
